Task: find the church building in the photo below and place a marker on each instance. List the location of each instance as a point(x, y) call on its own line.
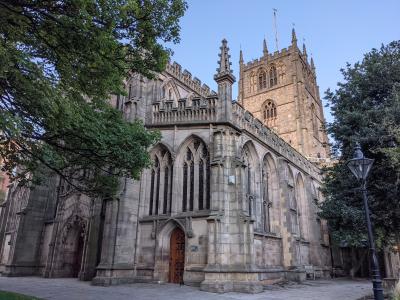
point(229, 204)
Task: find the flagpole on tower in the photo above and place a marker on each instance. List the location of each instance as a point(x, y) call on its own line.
point(276, 30)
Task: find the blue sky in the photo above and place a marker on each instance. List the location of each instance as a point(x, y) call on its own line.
point(335, 32)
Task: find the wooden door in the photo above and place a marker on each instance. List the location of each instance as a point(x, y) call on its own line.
point(177, 256)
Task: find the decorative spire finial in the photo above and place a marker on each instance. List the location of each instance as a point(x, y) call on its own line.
point(265, 49)
point(241, 56)
point(224, 70)
point(294, 38)
point(312, 64)
point(304, 50)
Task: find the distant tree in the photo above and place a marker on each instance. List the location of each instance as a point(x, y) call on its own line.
point(59, 63)
point(366, 109)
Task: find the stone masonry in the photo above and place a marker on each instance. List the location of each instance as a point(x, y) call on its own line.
point(237, 179)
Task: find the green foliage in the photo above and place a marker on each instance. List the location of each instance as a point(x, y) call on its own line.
point(59, 63)
point(15, 296)
point(366, 109)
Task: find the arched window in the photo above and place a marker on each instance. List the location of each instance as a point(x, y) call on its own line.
point(196, 177)
point(161, 182)
point(251, 200)
point(253, 83)
point(262, 80)
point(270, 210)
point(314, 120)
point(266, 199)
point(293, 208)
point(270, 113)
point(134, 87)
point(248, 178)
point(273, 76)
point(163, 92)
point(302, 205)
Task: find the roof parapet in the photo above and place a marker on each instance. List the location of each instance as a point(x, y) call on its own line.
point(185, 77)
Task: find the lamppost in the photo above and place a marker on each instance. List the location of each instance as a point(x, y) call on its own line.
point(360, 167)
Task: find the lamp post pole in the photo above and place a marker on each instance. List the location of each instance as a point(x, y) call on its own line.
point(360, 167)
point(376, 276)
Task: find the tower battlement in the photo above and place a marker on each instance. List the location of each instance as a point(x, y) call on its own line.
point(280, 89)
point(269, 57)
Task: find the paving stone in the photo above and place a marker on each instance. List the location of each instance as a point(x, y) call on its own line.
point(72, 289)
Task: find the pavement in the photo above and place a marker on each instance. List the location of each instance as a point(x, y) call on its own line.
point(73, 289)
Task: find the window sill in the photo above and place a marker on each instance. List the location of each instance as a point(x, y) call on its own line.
point(268, 234)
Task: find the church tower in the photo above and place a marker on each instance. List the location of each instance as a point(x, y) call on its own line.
point(281, 90)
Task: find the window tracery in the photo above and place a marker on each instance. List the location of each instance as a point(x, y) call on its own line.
point(314, 121)
point(248, 179)
point(161, 182)
point(262, 80)
point(293, 208)
point(270, 210)
point(196, 177)
point(270, 113)
point(253, 82)
point(273, 76)
point(270, 110)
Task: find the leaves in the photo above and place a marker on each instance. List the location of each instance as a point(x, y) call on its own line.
point(366, 108)
point(60, 61)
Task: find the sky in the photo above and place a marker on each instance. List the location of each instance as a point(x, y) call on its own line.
point(335, 32)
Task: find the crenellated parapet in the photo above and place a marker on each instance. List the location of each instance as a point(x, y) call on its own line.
point(270, 57)
point(246, 121)
point(185, 77)
point(195, 110)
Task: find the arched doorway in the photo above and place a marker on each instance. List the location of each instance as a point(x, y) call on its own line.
point(177, 256)
point(73, 251)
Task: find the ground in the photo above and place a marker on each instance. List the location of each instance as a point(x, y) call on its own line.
point(66, 289)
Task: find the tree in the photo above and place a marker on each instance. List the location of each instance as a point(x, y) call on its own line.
point(366, 109)
point(59, 63)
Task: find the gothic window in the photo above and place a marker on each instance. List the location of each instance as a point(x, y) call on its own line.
point(273, 76)
point(262, 80)
point(266, 205)
point(248, 179)
point(302, 205)
point(253, 83)
point(161, 182)
point(184, 192)
point(293, 208)
point(316, 197)
point(314, 120)
point(134, 87)
point(269, 185)
point(196, 177)
point(163, 90)
point(321, 229)
point(269, 111)
point(154, 171)
point(167, 91)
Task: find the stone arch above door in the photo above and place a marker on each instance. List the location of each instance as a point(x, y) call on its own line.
point(163, 244)
point(70, 248)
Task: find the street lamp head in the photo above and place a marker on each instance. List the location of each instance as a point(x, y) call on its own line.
point(359, 165)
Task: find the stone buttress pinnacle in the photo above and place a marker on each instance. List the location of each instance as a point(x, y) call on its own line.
point(304, 50)
point(294, 38)
point(224, 71)
point(265, 48)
